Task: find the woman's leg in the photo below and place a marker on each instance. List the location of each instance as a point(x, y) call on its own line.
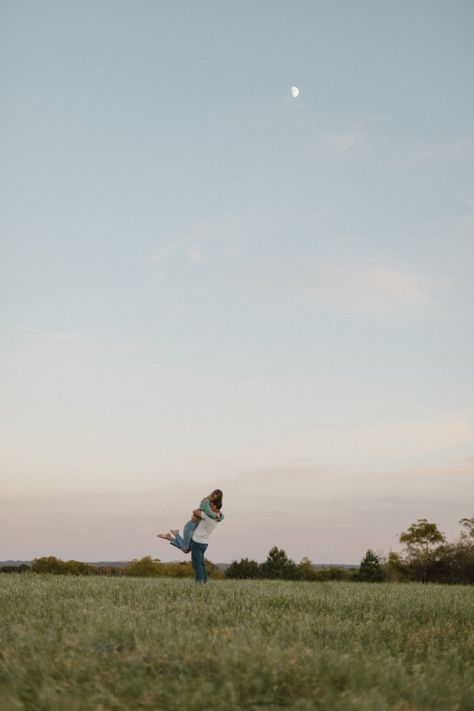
point(178, 542)
point(188, 531)
point(197, 560)
point(183, 542)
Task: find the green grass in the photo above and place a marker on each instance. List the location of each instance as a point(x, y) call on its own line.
point(103, 643)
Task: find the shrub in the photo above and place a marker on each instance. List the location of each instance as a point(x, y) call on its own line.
point(243, 569)
point(306, 570)
point(56, 566)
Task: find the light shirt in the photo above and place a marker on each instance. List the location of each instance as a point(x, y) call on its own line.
point(204, 529)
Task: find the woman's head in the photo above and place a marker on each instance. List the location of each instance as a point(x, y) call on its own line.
point(216, 495)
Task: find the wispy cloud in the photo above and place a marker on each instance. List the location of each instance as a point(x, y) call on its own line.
point(371, 287)
point(343, 141)
point(204, 243)
point(50, 335)
point(443, 438)
point(458, 150)
point(351, 286)
point(453, 470)
point(344, 138)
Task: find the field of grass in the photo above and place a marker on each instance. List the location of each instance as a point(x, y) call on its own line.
point(70, 643)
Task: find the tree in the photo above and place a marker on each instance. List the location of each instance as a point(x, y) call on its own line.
point(370, 569)
point(278, 566)
point(429, 558)
point(75, 567)
point(49, 564)
point(421, 536)
point(468, 525)
point(306, 570)
point(457, 559)
point(395, 568)
point(243, 569)
point(143, 568)
point(334, 572)
point(423, 548)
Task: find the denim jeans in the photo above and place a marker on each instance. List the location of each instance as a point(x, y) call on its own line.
point(197, 560)
point(184, 542)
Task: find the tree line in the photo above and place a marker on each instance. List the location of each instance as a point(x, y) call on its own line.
point(144, 568)
point(426, 557)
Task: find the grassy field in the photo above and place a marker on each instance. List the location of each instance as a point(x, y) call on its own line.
point(114, 643)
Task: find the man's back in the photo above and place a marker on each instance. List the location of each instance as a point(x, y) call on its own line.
point(204, 529)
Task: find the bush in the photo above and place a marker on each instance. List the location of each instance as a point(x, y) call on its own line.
point(333, 572)
point(306, 570)
point(108, 570)
point(244, 569)
point(56, 566)
point(148, 568)
point(22, 568)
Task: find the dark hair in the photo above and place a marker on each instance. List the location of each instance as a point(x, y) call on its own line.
point(217, 503)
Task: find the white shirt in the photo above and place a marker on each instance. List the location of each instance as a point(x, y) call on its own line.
point(204, 529)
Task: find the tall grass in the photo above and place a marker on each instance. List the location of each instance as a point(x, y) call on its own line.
point(94, 643)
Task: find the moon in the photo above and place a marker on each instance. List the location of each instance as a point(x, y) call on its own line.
point(295, 92)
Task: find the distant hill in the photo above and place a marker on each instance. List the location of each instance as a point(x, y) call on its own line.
point(14, 562)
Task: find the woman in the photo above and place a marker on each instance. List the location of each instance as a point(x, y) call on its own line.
point(202, 523)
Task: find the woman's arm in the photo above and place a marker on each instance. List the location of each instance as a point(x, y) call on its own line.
point(205, 506)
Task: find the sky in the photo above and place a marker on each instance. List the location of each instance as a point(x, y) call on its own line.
point(205, 282)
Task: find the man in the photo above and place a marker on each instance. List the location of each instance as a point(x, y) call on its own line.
point(200, 541)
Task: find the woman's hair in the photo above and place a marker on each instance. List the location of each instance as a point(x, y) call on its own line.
point(216, 494)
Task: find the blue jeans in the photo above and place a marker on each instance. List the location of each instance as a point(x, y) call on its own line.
point(184, 542)
point(197, 560)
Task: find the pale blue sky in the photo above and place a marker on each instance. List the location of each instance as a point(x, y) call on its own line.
point(205, 282)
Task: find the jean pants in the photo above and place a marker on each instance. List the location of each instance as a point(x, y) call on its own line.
point(197, 560)
point(184, 542)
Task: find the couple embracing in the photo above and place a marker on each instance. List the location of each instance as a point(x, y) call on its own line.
point(196, 532)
